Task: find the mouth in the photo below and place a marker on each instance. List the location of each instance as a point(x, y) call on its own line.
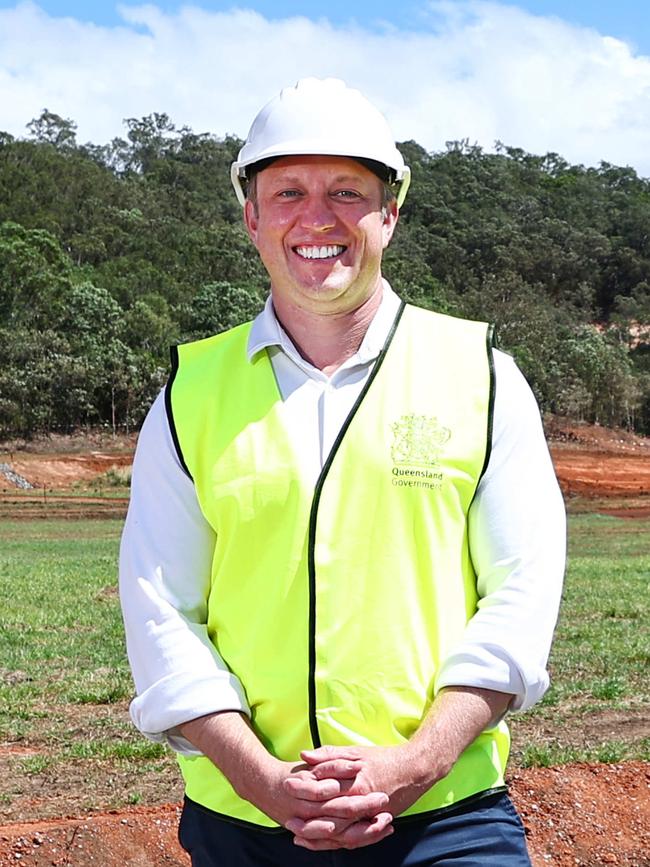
point(329, 251)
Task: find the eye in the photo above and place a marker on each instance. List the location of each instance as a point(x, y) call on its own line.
point(288, 194)
point(347, 194)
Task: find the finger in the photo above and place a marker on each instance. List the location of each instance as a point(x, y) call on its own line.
point(340, 769)
point(310, 789)
point(352, 806)
point(317, 845)
point(315, 829)
point(324, 754)
point(367, 832)
point(356, 835)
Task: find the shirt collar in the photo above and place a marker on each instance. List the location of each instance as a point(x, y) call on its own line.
point(266, 331)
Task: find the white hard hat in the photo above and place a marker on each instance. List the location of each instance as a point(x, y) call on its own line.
point(321, 117)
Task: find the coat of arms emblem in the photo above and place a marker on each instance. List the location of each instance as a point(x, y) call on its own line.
point(418, 440)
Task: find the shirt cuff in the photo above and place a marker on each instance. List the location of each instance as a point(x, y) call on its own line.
point(490, 667)
point(159, 710)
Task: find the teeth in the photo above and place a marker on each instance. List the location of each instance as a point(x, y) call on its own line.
point(320, 252)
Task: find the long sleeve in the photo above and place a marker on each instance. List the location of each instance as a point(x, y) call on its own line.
point(165, 564)
point(517, 543)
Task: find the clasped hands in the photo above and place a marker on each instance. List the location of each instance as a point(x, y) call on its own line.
point(347, 797)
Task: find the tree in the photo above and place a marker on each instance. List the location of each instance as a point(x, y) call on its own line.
point(52, 129)
point(34, 275)
point(603, 367)
point(217, 307)
point(113, 251)
point(149, 328)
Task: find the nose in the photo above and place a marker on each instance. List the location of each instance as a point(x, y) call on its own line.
point(317, 213)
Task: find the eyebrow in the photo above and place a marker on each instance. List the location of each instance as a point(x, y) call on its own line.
point(338, 179)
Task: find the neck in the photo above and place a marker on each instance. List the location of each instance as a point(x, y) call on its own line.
point(327, 340)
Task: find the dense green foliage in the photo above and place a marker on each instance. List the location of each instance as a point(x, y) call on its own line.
point(110, 253)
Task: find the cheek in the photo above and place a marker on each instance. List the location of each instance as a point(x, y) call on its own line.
point(373, 230)
point(270, 237)
point(377, 241)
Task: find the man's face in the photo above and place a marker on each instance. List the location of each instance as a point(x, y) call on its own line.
point(319, 229)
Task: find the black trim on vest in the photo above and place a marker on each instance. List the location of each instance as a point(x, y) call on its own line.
point(173, 351)
point(490, 343)
point(458, 807)
point(313, 725)
point(240, 823)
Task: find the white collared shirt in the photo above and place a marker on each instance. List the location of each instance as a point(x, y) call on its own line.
point(516, 533)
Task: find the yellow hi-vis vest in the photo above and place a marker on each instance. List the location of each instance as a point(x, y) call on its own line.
point(336, 604)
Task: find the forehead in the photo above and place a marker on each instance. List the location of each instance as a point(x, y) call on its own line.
point(316, 167)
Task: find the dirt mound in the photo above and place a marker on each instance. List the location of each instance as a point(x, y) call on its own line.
point(65, 481)
point(49, 470)
point(575, 815)
point(592, 463)
point(142, 837)
point(80, 442)
point(596, 463)
point(565, 431)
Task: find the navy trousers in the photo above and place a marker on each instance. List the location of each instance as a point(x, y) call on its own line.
point(483, 833)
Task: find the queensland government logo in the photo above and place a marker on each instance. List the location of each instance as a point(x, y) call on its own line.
point(418, 441)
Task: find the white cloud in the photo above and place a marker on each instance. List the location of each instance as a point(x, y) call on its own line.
point(476, 70)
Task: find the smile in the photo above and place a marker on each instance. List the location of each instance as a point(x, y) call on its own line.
point(327, 252)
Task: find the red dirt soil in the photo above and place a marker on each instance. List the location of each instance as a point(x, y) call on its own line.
point(595, 463)
point(575, 816)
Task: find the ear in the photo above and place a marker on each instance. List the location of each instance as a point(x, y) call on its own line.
point(391, 214)
point(251, 220)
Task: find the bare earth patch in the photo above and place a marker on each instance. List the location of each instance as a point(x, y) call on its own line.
point(575, 816)
point(598, 469)
point(65, 481)
point(586, 814)
point(581, 729)
point(141, 836)
point(598, 464)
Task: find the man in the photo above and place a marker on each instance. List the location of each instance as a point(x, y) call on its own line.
point(343, 555)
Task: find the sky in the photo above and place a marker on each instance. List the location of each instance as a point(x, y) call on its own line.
point(569, 78)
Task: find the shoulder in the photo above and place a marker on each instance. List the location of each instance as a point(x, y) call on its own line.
point(155, 449)
point(444, 321)
point(464, 341)
point(210, 347)
point(513, 393)
point(517, 422)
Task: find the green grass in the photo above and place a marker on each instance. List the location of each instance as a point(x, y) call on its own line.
point(34, 765)
point(61, 639)
point(60, 629)
point(601, 654)
point(64, 678)
point(602, 651)
point(112, 749)
point(609, 752)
